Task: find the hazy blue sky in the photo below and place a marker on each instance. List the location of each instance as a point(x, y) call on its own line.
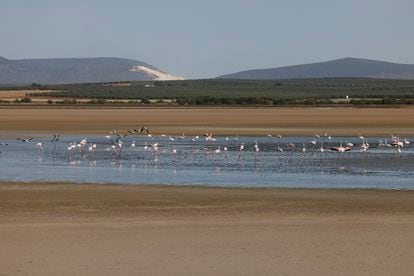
point(205, 38)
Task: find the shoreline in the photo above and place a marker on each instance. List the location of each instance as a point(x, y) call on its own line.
point(198, 186)
point(135, 199)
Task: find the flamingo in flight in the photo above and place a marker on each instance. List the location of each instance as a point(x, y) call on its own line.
point(55, 138)
point(25, 140)
point(341, 148)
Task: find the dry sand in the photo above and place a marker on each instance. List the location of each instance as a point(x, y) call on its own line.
point(227, 121)
point(66, 229)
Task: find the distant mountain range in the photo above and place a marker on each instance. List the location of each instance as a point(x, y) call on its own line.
point(109, 69)
point(340, 68)
point(77, 70)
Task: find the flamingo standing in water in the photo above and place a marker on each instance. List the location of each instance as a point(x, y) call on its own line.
point(71, 148)
point(154, 148)
point(396, 142)
point(39, 146)
point(364, 147)
point(364, 144)
point(291, 146)
point(90, 148)
point(321, 149)
point(241, 149)
point(398, 148)
point(279, 148)
point(256, 147)
point(349, 144)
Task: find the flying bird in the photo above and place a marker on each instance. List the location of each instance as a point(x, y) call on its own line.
point(55, 138)
point(142, 129)
point(25, 140)
point(209, 136)
point(119, 138)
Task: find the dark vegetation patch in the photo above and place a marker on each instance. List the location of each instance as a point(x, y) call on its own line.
point(238, 92)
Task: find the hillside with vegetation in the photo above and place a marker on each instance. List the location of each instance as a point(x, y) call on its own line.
point(240, 92)
point(340, 68)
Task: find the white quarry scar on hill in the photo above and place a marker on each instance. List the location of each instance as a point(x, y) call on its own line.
point(157, 75)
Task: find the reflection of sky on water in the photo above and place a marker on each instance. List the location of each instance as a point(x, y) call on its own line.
point(197, 162)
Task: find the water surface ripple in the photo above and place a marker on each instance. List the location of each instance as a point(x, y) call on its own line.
point(207, 163)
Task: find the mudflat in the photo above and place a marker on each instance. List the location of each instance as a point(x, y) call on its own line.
point(85, 229)
point(224, 121)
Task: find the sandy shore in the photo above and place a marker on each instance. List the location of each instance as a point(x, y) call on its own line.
point(224, 121)
point(66, 229)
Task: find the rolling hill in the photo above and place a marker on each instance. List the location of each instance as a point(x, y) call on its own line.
point(77, 70)
point(340, 68)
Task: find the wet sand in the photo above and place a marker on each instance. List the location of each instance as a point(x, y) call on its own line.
point(221, 121)
point(67, 229)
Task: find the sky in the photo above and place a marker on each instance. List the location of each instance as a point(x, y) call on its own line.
point(208, 38)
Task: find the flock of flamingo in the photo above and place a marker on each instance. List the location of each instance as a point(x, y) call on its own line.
point(115, 143)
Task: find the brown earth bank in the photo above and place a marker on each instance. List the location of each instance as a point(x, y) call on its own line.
point(221, 121)
point(85, 229)
point(16, 94)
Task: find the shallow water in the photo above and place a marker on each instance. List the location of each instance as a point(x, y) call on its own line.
point(197, 162)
